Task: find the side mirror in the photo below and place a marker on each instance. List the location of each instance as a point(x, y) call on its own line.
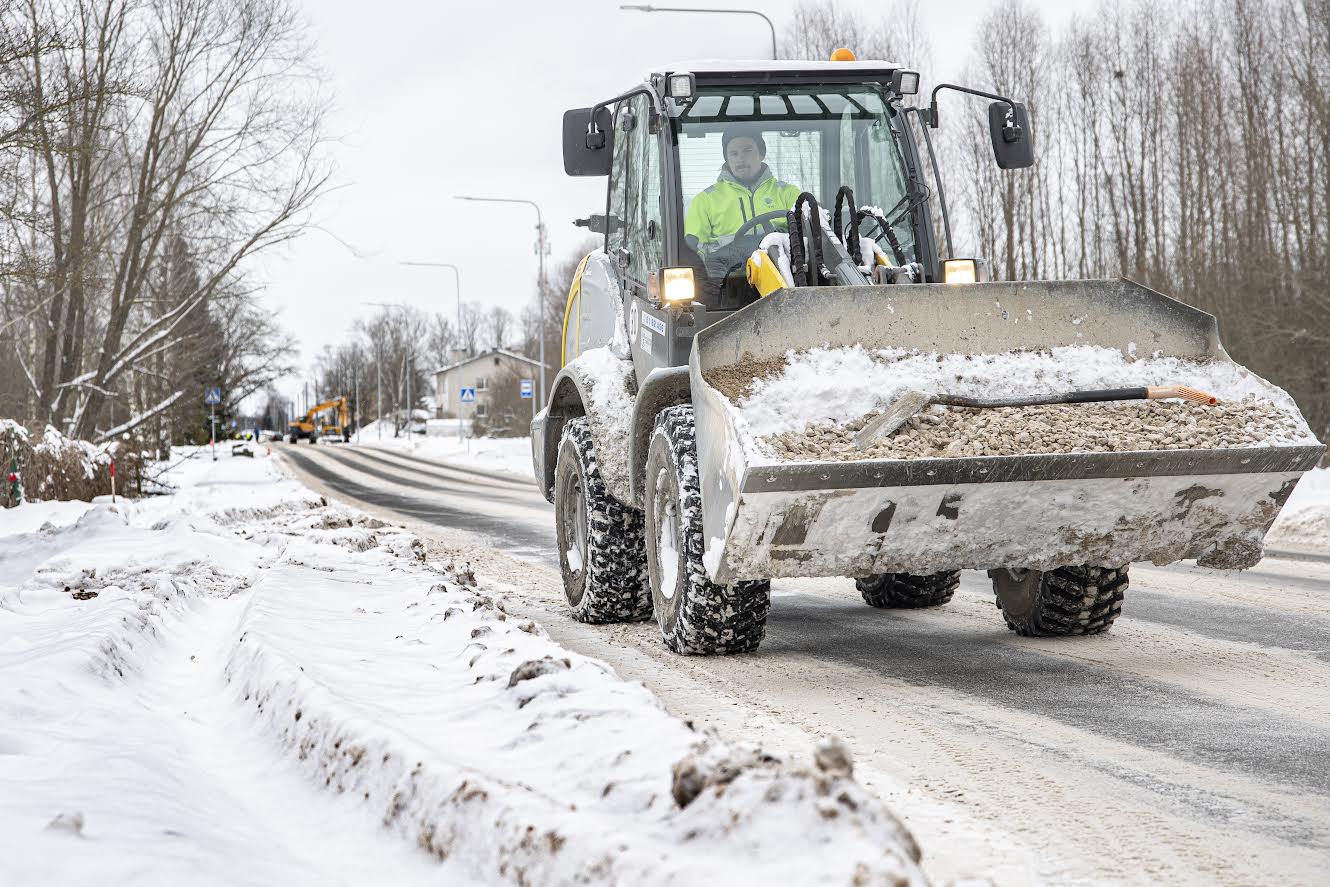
point(1013, 142)
point(584, 155)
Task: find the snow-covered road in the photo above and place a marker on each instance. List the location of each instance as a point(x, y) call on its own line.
point(1186, 746)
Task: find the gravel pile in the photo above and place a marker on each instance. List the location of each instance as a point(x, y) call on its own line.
point(944, 432)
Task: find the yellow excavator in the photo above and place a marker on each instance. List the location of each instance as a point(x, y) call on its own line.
point(311, 429)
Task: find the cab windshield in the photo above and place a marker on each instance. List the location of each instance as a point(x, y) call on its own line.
point(746, 152)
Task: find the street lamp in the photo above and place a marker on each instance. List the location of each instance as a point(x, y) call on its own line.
point(541, 246)
point(641, 7)
point(457, 278)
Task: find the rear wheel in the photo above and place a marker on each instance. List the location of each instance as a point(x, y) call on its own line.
point(601, 549)
point(695, 615)
point(908, 591)
point(1065, 601)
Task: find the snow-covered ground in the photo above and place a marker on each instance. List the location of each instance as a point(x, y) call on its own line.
point(241, 683)
point(1305, 520)
point(510, 454)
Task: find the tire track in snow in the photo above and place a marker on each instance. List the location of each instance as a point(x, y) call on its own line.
point(518, 539)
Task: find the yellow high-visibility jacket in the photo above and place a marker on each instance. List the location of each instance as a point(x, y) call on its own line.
point(719, 211)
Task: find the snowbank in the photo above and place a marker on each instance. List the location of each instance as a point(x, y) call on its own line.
point(510, 454)
point(1305, 520)
point(329, 675)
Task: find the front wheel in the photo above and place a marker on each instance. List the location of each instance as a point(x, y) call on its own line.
point(600, 540)
point(696, 616)
point(1065, 601)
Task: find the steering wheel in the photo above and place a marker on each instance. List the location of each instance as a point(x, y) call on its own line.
point(724, 261)
point(765, 220)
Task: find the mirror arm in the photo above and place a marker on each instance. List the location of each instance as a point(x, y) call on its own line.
point(932, 101)
point(594, 137)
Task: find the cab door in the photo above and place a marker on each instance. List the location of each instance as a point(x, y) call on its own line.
point(635, 235)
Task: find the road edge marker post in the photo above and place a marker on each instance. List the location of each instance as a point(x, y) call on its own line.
point(15, 487)
point(112, 481)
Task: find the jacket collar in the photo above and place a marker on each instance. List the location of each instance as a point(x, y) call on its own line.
point(727, 176)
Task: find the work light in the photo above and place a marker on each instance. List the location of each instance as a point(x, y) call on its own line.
point(905, 82)
point(964, 271)
point(680, 86)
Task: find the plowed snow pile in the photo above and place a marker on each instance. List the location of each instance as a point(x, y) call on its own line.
point(810, 405)
point(242, 683)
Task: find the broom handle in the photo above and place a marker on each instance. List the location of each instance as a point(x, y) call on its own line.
point(1155, 392)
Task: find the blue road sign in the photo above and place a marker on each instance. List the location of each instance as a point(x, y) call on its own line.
point(468, 395)
point(213, 396)
point(527, 388)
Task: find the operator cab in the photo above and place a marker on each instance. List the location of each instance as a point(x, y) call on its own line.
point(818, 137)
point(688, 230)
point(824, 125)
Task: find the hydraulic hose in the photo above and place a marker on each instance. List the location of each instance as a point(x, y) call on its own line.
point(852, 239)
point(814, 260)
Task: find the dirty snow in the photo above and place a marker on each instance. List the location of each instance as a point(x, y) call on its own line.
point(240, 683)
point(838, 385)
point(610, 382)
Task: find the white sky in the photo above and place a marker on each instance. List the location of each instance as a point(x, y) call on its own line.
point(437, 99)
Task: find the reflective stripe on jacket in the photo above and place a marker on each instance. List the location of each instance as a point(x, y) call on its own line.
point(719, 211)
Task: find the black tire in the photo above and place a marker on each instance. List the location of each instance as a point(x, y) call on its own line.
point(1065, 601)
point(696, 616)
point(606, 581)
point(908, 591)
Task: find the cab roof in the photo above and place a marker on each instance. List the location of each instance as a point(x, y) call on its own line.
point(766, 72)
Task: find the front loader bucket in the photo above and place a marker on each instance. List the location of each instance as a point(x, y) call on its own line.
point(765, 518)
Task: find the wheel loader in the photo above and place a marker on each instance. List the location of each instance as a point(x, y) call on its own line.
point(663, 507)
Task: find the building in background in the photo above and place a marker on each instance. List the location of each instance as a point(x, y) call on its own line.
point(497, 377)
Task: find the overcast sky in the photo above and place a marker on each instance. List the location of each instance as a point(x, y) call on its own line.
point(438, 99)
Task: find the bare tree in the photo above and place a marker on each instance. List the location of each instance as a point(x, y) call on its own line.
point(188, 136)
point(498, 326)
point(473, 321)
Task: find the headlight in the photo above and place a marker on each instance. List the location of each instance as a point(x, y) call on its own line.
point(677, 288)
point(964, 271)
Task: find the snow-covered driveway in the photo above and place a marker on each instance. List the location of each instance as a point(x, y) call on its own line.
point(241, 684)
point(1186, 746)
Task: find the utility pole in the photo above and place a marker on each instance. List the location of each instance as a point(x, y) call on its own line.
point(410, 441)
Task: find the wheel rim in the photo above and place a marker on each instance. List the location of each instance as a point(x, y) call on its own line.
point(665, 536)
point(573, 539)
point(1017, 590)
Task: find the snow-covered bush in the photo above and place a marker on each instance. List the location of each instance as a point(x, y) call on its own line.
point(62, 468)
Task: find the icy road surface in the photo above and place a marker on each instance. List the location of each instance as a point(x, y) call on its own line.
point(1187, 746)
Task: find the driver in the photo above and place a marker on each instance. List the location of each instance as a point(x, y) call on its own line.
point(745, 189)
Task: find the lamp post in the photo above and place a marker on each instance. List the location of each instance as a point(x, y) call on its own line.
point(541, 246)
point(457, 278)
point(643, 7)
